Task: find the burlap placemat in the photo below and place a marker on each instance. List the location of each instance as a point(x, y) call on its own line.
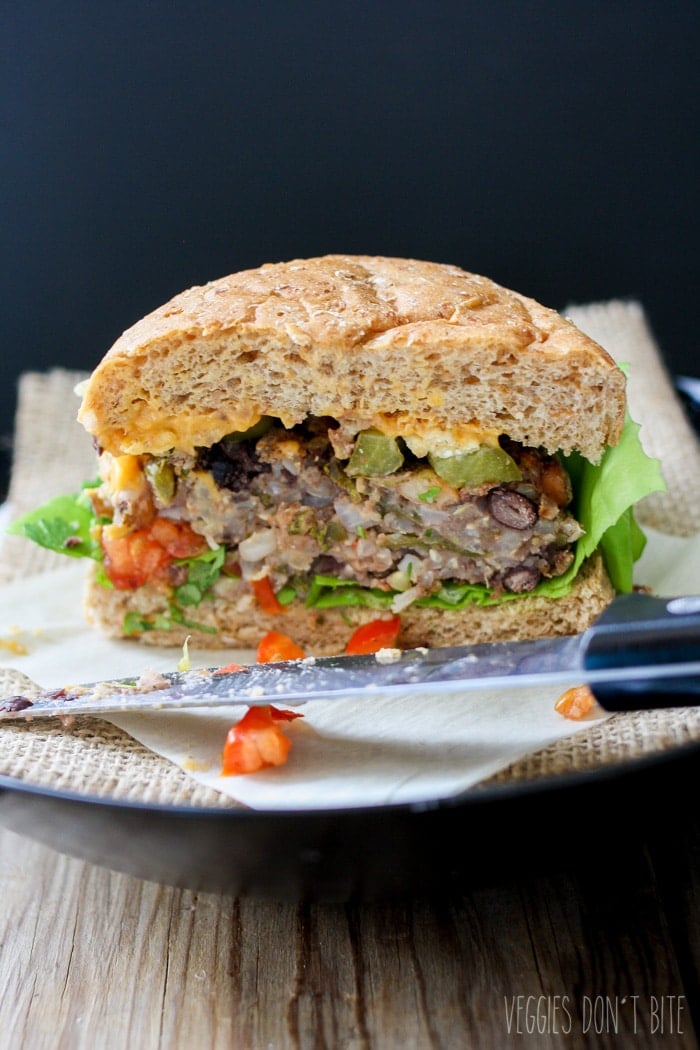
point(52, 454)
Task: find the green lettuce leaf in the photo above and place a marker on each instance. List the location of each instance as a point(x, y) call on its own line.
point(62, 525)
point(329, 592)
point(134, 623)
point(605, 497)
point(202, 573)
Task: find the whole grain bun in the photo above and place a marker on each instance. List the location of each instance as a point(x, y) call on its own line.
point(407, 346)
point(239, 623)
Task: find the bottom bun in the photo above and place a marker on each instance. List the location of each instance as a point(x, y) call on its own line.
point(235, 621)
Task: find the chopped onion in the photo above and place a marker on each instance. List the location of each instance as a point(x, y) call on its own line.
point(258, 545)
point(402, 601)
point(406, 573)
point(398, 581)
point(353, 514)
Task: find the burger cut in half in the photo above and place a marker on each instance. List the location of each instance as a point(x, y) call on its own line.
point(315, 444)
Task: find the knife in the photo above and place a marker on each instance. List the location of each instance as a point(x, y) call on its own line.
point(642, 652)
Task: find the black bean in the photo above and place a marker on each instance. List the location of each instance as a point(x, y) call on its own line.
point(511, 508)
point(325, 565)
point(15, 703)
point(520, 579)
point(232, 466)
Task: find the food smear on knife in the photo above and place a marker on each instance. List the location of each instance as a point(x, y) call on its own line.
point(314, 445)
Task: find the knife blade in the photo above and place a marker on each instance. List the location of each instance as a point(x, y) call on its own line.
point(642, 652)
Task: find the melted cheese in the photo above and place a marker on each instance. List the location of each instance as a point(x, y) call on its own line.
point(422, 437)
point(123, 473)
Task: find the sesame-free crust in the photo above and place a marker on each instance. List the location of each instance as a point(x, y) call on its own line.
point(401, 344)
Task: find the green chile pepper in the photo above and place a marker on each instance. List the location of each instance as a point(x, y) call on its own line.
point(257, 430)
point(473, 468)
point(162, 477)
point(375, 455)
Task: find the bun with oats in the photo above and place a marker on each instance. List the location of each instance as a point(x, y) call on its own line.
point(314, 444)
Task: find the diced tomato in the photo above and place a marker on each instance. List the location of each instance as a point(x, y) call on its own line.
point(257, 741)
point(265, 596)
point(575, 703)
point(133, 559)
point(373, 636)
point(177, 538)
point(276, 646)
point(282, 714)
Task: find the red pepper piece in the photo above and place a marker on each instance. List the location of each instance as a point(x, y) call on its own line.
point(373, 636)
point(265, 596)
point(257, 741)
point(276, 646)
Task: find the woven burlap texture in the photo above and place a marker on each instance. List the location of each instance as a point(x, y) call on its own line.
point(52, 454)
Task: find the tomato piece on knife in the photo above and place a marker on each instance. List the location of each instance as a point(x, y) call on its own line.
point(265, 596)
point(229, 669)
point(276, 646)
point(373, 636)
point(257, 741)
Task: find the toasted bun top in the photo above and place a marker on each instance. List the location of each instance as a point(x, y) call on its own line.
point(413, 348)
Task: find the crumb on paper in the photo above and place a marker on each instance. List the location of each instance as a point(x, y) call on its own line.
point(14, 646)
point(387, 656)
point(15, 641)
point(192, 765)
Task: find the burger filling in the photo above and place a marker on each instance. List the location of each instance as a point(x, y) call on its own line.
point(325, 509)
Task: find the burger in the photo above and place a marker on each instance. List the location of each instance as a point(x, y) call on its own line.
point(316, 444)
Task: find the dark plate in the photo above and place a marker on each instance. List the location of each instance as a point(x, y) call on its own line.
point(365, 854)
point(369, 854)
point(374, 853)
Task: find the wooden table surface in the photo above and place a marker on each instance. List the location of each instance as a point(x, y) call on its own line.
point(596, 947)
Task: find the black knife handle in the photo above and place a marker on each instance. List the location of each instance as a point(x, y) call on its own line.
point(637, 630)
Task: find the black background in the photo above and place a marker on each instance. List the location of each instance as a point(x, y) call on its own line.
point(147, 147)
